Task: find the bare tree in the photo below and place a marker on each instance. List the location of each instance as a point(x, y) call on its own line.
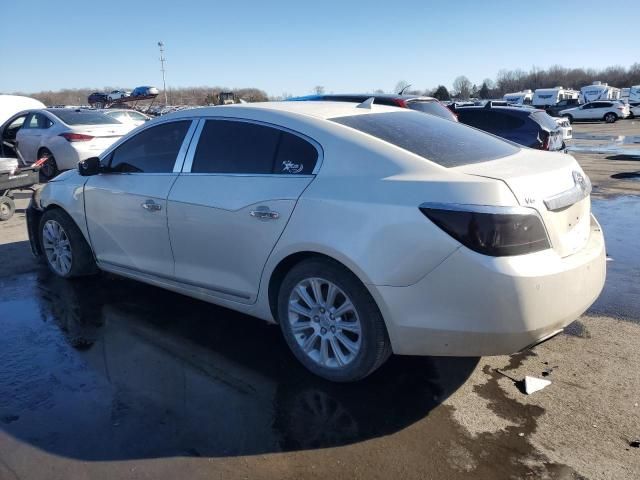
point(462, 87)
point(318, 90)
point(401, 85)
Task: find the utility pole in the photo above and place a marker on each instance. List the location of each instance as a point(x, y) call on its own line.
point(164, 83)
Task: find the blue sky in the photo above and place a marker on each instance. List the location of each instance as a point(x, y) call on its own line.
point(292, 46)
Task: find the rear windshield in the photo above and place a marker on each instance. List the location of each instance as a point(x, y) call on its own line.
point(432, 107)
point(446, 143)
point(73, 117)
point(544, 119)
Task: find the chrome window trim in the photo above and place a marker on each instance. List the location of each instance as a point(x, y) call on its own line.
point(186, 142)
point(188, 164)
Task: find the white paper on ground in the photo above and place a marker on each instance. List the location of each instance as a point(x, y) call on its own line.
point(533, 384)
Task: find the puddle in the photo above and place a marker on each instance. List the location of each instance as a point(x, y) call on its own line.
point(605, 144)
point(626, 176)
point(620, 139)
point(620, 220)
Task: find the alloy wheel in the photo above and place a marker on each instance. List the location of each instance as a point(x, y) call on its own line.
point(324, 322)
point(57, 247)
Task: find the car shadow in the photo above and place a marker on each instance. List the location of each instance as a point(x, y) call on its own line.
point(105, 368)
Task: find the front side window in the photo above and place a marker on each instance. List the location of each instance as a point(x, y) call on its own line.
point(153, 150)
point(236, 147)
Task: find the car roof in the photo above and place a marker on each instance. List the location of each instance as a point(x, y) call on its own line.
point(322, 109)
point(364, 96)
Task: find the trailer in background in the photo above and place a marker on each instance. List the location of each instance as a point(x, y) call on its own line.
point(545, 97)
point(599, 91)
point(524, 97)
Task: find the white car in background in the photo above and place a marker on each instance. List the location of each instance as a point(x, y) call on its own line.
point(117, 94)
point(361, 229)
point(565, 126)
point(129, 117)
point(62, 136)
point(607, 110)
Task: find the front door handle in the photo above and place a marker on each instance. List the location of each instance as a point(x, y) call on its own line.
point(151, 206)
point(263, 213)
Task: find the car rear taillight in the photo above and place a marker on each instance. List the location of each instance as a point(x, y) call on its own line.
point(76, 137)
point(400, 102)
point(493, 231)
point(546, 136)
point(620, 108)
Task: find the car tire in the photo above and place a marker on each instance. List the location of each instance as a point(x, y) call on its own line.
point(49, 168)
point(610, 117)
point(65, 249)
point(7, 208)
point(344, 347)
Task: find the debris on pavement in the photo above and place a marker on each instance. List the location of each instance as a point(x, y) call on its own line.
point(533, 384)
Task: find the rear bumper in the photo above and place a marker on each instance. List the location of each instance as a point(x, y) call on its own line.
point(474, 305)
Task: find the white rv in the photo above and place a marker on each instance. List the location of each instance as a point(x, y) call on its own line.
point(630, 94)
point(544, 97)
point(524, 97)
point(12, 104)
point(598, 91)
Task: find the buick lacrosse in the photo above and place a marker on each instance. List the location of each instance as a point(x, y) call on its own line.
point(362, 230)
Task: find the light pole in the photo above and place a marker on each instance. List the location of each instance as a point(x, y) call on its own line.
point(164, 83)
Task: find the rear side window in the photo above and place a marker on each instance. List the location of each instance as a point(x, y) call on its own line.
point(236, 147)
point(153, 150)
point(37, 120)
point(446, 143)
point(499, 121)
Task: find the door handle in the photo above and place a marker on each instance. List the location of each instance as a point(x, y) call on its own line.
point(151, 206)
point(263, 213)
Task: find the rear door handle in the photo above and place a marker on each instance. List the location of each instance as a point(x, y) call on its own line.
point(263, 213)
point(151, 206)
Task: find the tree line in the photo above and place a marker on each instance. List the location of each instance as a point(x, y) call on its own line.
point(506, 81)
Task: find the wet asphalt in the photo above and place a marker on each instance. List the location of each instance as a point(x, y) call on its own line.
point(105, 369)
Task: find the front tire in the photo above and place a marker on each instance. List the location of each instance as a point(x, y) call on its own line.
point(65, 249)
point(610, 117)
point(330, 321)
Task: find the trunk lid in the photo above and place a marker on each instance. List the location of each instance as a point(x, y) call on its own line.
point(553, 184)
point(103, 135)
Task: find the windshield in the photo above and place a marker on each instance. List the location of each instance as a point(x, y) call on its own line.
point(75, 117)
point(446, 143)
point(544, 119)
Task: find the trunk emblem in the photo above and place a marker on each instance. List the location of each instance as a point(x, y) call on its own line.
point(580, 181)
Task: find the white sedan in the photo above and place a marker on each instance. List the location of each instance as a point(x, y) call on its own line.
point(360, 231)
point(129, 117)
point(607, 110)
point(61, 136)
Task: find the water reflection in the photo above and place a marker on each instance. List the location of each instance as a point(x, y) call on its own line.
point(106, 368)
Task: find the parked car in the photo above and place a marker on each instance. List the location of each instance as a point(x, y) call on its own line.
point(361, 231)
point(97, 97)
point(144, 91)
point(61, 136)
point(414, 102)
point(554, 110)
point(565, 127)
point(127, 116)
point(521, 124)
point(117, 94)
point(608, 110)
point(634, 109)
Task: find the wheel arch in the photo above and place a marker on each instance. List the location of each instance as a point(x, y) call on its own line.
point(286, 263)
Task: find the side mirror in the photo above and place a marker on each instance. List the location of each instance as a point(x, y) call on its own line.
point(90, 166)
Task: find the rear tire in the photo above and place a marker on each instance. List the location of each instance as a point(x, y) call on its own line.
point(610, 117)
point(65, 249)
point(7, 208)
point(50, 168)
point(340, 336)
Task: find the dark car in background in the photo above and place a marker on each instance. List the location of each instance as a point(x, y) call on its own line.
point(554, 110)
point(525, 126)
point(97, 97)
point(414, 102)
point(144, 91)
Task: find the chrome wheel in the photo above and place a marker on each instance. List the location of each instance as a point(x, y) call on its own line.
point(324, 322)
point(57, 247)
